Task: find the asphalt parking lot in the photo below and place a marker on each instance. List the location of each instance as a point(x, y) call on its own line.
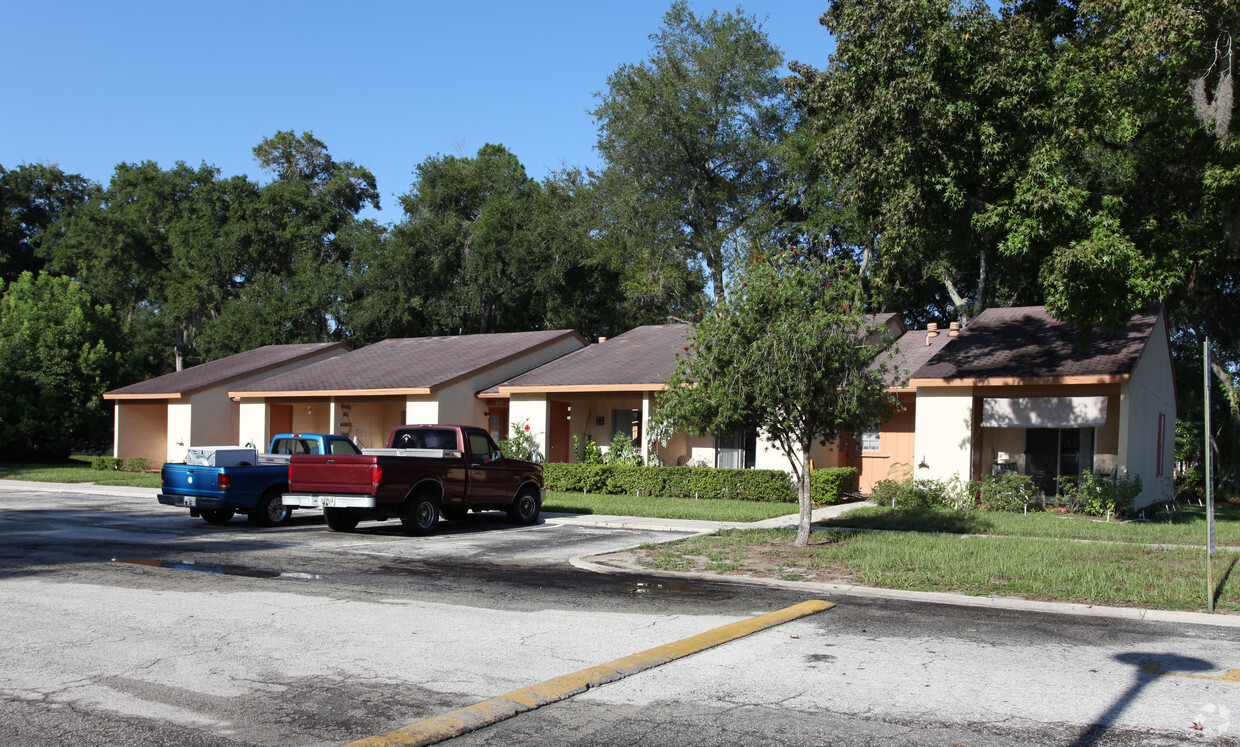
point(131, 623)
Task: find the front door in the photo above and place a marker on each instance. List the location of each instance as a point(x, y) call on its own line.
point(281, 420)
point(557, 432)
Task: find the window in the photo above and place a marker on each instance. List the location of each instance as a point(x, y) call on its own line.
point(343, 447)
point(871, 438)
point(425, 438)
point(1051, 452)
point(629, 423)
point(481, 445)
point(1162, 440)
point(736, 451)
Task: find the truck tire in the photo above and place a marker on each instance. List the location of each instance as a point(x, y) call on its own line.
point(420, 514)
point(271, 511)
point(217, 516)
point(525, 508)
point(341, 519)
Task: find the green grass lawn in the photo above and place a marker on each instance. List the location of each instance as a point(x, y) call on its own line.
point(1090, 573)
point(78, 470)
point(1188, 526)
point(665, 508)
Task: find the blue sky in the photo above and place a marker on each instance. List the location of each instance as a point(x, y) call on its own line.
point(88, 85)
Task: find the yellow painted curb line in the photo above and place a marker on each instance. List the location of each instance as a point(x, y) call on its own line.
point(494, 710)
point(1153, 666)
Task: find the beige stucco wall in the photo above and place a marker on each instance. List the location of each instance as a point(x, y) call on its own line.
point(532, 410)
point(313, 417)
point(215, 418)
point(253, 423)
point(421, 408)
point(178, 436)
point(138, 430)
point(370, 419)
point(1150, 393)
point(943, 432)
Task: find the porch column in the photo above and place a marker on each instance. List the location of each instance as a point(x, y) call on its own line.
point(647, 412)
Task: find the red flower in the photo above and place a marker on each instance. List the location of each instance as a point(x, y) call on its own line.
point(527, 427)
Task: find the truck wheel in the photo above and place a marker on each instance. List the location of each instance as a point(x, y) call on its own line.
point(420, 514)
point(341, 519)
point(524, 508)
point(454, 513)
point(217, 516)
point(271, 510)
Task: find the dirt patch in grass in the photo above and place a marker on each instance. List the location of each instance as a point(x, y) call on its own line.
point(774, 558)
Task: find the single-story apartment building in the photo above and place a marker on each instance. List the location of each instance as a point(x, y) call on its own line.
point(370, 391)
point(612, 387)
point(160, 418)
point(1010, 392)
point(1014, 393)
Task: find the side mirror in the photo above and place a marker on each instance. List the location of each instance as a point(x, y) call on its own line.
point(497, 455)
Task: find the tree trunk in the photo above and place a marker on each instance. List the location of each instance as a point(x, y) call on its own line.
point(979, 301)
point(804, 499)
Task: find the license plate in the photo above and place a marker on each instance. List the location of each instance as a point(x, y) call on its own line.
point(191, 501)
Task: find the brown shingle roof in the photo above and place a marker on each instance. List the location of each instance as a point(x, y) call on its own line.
point(911, 351)
point(1027, 342)
point(641, 359)
point(222, 371)
point(409, 364)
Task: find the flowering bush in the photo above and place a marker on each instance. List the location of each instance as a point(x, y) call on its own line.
point(521, 444)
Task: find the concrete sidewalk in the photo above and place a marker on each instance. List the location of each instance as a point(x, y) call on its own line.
point(88, 488)
point(695, 525)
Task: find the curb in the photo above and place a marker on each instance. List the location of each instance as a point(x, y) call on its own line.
point(604, 564)
point(502, 707)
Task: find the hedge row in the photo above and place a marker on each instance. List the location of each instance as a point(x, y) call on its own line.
point(133, 464)
point(827, 485)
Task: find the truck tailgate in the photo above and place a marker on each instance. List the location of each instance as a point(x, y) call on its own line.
point(332, 474)
point(182, 479)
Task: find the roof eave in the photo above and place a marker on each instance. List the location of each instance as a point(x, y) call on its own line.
point(331, 392)
point(1023, 380)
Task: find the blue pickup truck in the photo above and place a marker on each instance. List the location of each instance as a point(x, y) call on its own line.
point(252, 485)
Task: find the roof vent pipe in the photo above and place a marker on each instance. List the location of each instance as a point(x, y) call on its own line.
point(932, 330)
point(955, 329)
point(602, 340)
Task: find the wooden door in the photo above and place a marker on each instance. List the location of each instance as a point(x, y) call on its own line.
point(281, 421)
point(557, 433)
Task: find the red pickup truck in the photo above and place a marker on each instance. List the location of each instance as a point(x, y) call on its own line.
point(426, 471)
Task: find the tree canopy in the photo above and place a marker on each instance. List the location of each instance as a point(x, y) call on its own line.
point(59, 352)
point(790, 353)
point(688, 136)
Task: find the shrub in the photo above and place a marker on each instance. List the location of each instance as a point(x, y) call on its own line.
point(671, 482)
point(828, 486)
point(1006, 492)
point(592, 453)
point(1098, 495)
point(923, 493)
point(521, 444)
point(104, 463)
point(136, 464)
point(622, 451)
